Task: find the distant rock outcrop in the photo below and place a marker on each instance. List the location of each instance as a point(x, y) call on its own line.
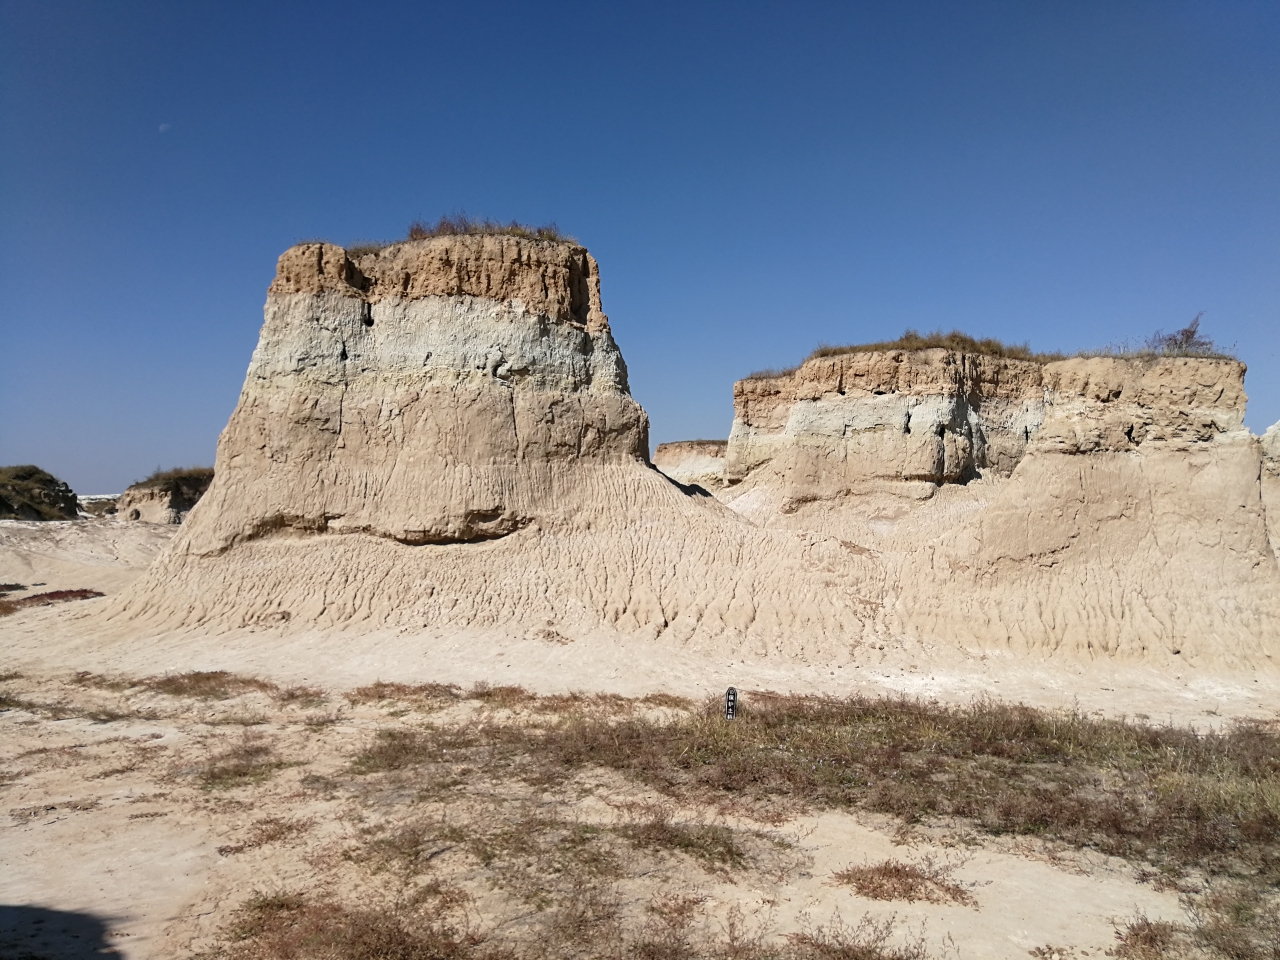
point(699, 462)
point(29, 493)
point(164, 497)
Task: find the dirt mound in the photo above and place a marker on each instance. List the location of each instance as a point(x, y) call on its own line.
point(29, 493)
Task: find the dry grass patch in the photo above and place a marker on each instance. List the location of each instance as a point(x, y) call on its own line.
point(250, 760)
point(300, 696)
point(269, 830)
point(654, 826)
point(207, 684)
point(383, 691)
point(895, 880)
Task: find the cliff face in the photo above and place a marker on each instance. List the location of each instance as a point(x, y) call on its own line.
point(167, 498)
point(406, 395)
point(839, 422)
point(698, 462)
point(1103, 506)
point(441, 435)
point(1271, 484)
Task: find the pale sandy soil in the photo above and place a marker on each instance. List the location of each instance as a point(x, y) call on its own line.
point(109, 819)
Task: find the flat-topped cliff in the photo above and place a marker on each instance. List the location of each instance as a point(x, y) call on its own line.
point(929, 415)
point(403, 394)
point(441, 434)
point(1099, 505)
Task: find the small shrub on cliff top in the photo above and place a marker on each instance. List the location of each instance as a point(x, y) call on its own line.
point(955, 340)
point(200, 476)
point(459, 224)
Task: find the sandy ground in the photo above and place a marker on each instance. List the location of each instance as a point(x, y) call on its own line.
point(109, 819)
point(107, 838)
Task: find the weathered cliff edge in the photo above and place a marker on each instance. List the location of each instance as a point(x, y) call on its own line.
point(699, 462)
point(165, 498)
point(441, 434)
point(1271, 484)
point(1101, 506)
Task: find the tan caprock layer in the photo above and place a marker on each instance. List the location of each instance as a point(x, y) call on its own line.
point(1099, 507)
point(441, 435)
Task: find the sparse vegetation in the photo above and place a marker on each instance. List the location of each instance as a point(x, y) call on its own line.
point(955, 340)
point(895, 880)
point(206, 684)
point(250, 760)
point(1186, 342)
point(459, 224)
point(182, 476)
point(29, 493)
point(590, 819)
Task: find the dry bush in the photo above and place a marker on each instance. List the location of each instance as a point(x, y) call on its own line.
point(286, 927)
point(269, 830)
point(207, 684)
point(508, 697)
point(460, 224)
point(10, 587)
point(86, 678)
point(250, 760)
point(653, 826)
point(300, 696)
point(955, 341)
point(383, 690)
point(895, 880)
point(196, 477)
point(668, 700)
point(395, 750)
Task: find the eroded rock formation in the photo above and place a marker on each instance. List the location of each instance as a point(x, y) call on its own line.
point(163, 498)
point(1271, 483)
point(1102, 506)
point(29, 493)
point(441, 434)
point(699, 462)
point(836, 423)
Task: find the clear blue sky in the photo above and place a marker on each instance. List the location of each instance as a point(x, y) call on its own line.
point(753, 178)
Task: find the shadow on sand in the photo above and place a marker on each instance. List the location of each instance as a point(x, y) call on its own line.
point(36, 933)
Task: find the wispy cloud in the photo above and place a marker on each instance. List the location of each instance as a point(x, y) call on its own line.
point(165, 126)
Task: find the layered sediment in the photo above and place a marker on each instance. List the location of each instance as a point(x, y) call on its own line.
point(1102, 506)
point(838, 423)
point(699, 462)
point(441, 433)
point(1271, 483)
point(166, 498)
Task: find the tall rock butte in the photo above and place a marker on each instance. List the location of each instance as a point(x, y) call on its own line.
point(441, 434)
